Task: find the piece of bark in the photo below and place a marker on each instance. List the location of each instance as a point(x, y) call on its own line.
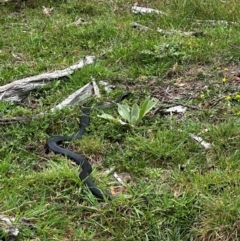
point(176, 109)
point(118, 178)
point(216, 22)
point(79, 21)
point(17, 90)
point(8, 231)
point(143, 10)
point(107, 87)
point(200, 140)
point(79, 96)
point(168, 32)
point(9, 227)
point(140, 26)
point(180, 32)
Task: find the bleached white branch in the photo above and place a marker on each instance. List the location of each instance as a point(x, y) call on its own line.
point(200, 140)
point(140, 26)
point(143, 10)
point(216, 22)
point(180, 32)
point(17, 90)
point(79, 96)
point(118, 178)
point(168, 32)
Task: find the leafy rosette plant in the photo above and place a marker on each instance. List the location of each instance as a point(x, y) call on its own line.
point(131, 116)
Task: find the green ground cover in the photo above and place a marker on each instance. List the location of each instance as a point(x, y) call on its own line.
point(193, 193)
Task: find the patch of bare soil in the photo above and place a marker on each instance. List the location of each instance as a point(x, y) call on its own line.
point(194, 85)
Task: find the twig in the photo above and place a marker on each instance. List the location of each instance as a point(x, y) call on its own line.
point(140, 26)
point(200, 140)
point(120, 148)
point(215, 22)
point(180, 32)
point(118, 178)
point(215, 102)
point(180, 103)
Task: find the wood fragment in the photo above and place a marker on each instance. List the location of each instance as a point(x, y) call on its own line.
point(180, 103)
point(107, 87)
point(180, 32)
point(79, 21)
point(79, 96)
point(199, 139)
point(143, 10)
point(18, 89)
point(8, 231)
point(47, 11)
point(118, 178)
point(168, 32)
point(140, 26)
point(216, 22)
point(176, 109)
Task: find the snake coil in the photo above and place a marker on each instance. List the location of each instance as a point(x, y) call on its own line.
point(54, 143)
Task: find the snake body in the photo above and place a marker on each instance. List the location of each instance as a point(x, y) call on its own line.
point(54, 143)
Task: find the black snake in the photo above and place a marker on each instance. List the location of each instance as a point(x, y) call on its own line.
point(54, 143)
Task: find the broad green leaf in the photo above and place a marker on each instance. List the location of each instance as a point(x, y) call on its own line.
point(124, 111)
point(111, 118)
point(134, 121)
point(134, 114)
point(107, 117)
point(145, 107)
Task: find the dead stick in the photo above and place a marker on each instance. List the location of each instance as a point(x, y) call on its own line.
point(17, 90)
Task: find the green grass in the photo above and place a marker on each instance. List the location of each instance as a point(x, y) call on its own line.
point(193, 193)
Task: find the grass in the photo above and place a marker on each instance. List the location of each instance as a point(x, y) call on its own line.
point(193, 193)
